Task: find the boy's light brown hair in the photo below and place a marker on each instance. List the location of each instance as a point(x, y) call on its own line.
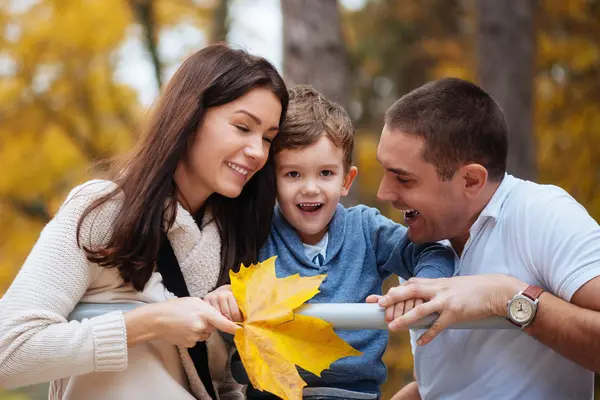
point(310, 116)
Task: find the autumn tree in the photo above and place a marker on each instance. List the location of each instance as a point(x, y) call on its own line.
point(506, 66)
point(62, 108)
point(314, 51)
point(406, 43)
point(396, 46)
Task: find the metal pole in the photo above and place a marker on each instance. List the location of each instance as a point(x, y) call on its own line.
point(340, 315)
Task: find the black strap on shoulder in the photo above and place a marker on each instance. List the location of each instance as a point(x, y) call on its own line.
point(168, 266)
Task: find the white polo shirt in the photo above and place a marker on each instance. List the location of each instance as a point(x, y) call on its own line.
point(540, 235)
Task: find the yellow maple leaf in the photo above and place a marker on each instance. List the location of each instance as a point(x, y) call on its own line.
point(274, 338)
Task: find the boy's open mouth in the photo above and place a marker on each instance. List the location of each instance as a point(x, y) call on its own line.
point(310, 207)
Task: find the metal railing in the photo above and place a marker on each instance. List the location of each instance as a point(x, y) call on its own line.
point(340, 315)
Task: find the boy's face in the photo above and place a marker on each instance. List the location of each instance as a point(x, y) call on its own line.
point(310, 183)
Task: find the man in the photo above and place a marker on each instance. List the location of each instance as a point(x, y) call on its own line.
point(444, 149)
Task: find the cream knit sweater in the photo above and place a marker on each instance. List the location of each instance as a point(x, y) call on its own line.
point(90, 359)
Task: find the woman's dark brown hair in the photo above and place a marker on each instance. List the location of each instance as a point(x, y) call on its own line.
point(209, 78)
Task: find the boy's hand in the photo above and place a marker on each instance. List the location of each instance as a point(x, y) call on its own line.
point(222, 299)
point(394, 311)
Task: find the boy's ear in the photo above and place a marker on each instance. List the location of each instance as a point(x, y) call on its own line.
point(348, 179)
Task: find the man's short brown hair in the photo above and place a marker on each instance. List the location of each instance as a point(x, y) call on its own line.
point(309, 117)
point(459, 122)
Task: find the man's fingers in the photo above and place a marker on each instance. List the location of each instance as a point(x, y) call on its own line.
point(389, 313)
point(414, 315)
point(444, 321)
point(409, 305)
point(397, 310)
point(420, 280)
point(410, 290)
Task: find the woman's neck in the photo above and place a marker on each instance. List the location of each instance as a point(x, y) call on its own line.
point(192, 195)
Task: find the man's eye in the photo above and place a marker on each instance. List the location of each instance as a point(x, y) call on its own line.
point(293, 174)
point(402, 181)
point(326, 173)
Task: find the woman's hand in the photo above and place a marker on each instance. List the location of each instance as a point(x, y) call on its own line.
point(222, 299)
point(182, 322)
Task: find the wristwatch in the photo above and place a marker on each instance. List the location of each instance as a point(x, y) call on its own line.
point(521, 309)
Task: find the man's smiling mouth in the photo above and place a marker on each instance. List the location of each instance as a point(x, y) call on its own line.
point(410, 213)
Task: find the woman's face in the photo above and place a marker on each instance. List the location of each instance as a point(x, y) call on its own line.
point(230, 146)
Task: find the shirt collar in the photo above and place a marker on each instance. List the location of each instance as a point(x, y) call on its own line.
point(494, 206)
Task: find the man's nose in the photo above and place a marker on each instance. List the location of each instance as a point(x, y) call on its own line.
point(385, 191)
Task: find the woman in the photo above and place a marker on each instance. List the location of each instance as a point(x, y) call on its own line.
point(197, 194)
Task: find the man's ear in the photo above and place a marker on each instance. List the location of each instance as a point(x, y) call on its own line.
point(348, 179)
point(475, 178)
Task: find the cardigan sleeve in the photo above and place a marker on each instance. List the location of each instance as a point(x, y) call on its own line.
point(37, 344)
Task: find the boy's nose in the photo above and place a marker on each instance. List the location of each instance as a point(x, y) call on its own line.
point(310, 187)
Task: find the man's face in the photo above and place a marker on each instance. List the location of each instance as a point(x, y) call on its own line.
point(433, 209)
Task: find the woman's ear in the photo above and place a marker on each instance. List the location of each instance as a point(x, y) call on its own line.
point(348, 179)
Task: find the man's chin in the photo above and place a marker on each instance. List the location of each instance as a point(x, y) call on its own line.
point(416, 238)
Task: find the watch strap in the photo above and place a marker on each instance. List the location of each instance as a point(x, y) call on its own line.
point(533, 292)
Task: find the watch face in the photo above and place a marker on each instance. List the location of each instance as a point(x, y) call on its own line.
point(521, 310)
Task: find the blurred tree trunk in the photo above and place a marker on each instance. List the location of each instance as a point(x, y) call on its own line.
point(506, 50)
point(314, 51)
point(144, 13)
point(220, 27)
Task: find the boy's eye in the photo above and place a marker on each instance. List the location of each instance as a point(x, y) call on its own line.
point(293, 174)
point(326, 172)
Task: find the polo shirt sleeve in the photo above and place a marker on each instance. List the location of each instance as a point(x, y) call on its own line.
point(559, 238)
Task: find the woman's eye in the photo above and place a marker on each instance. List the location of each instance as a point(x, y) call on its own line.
point(268, 139)
point(242, 128)
point(293, 174)
point(326, 173)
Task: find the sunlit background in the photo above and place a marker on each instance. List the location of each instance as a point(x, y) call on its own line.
point(76, 77)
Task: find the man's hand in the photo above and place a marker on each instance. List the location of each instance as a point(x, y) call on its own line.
point(457, 299)
point(398, 309)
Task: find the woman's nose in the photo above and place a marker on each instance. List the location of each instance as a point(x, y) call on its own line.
point(255, 149)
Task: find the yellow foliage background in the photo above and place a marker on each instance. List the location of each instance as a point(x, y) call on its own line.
point(62, 107)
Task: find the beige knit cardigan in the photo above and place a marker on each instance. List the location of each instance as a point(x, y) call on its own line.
point(90, 359)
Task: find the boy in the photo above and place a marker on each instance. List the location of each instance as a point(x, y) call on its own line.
point(312, 233)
